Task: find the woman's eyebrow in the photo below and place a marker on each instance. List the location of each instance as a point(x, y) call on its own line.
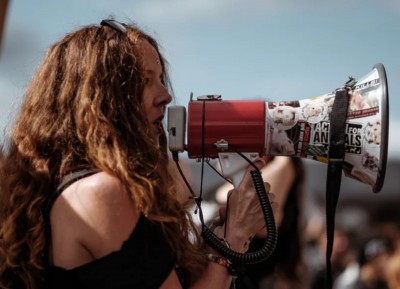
point(150, 71)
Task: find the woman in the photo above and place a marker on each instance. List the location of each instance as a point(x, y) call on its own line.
point(86, 197)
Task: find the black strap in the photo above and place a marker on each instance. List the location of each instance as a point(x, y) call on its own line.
point(65, 182)
point(73, 177)
point(334, 175)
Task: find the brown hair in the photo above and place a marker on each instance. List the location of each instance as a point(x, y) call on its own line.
point(82, 109)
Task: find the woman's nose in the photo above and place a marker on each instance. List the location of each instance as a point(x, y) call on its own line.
point(163, 97)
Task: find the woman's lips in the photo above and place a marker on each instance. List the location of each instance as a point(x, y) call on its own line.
point(158, 124)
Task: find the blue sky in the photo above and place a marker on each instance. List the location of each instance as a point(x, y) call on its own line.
point(270, 49)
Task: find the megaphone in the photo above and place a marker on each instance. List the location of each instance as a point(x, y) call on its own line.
point(299, 128)
point(239, 131)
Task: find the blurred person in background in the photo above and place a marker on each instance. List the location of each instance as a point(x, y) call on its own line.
point(393, 264)
point(393, 270)
point(345, 269)
point(373, 258)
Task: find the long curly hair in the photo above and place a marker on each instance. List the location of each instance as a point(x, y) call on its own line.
point(83, 109)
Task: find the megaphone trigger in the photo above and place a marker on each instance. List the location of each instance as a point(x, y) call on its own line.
point(233, 165)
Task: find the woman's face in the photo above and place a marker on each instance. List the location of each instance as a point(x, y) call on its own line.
point(155, 94)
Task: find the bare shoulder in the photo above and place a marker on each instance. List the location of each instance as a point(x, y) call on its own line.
point(100, 210)
point(98, 192)
point(100, 188)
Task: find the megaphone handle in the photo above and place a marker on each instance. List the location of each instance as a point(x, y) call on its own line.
point(272, 237)
point(233, 165)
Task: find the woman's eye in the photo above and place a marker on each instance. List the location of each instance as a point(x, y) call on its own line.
point(147, 80)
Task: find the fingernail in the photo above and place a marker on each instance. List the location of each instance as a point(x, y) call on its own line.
point(261, 159)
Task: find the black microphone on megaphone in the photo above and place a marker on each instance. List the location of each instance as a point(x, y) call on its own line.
point(219, 128)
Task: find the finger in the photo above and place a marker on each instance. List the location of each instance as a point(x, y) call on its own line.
point(267, 159)
point(259, 163)
point(271, 197)
point(274, 206)
point(217, 222)
point(267, 186)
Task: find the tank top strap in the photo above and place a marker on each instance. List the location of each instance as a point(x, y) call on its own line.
point(73, 177)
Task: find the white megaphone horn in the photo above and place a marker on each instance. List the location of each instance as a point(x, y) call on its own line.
point(299, 128)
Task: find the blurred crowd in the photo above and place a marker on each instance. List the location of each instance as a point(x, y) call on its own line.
point(366, 257)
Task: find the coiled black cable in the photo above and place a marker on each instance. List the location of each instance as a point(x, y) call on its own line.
point(254, 257)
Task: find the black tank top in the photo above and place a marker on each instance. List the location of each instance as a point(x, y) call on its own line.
point(144, 261)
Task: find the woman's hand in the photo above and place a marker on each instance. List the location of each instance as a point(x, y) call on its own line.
point(244, 216)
